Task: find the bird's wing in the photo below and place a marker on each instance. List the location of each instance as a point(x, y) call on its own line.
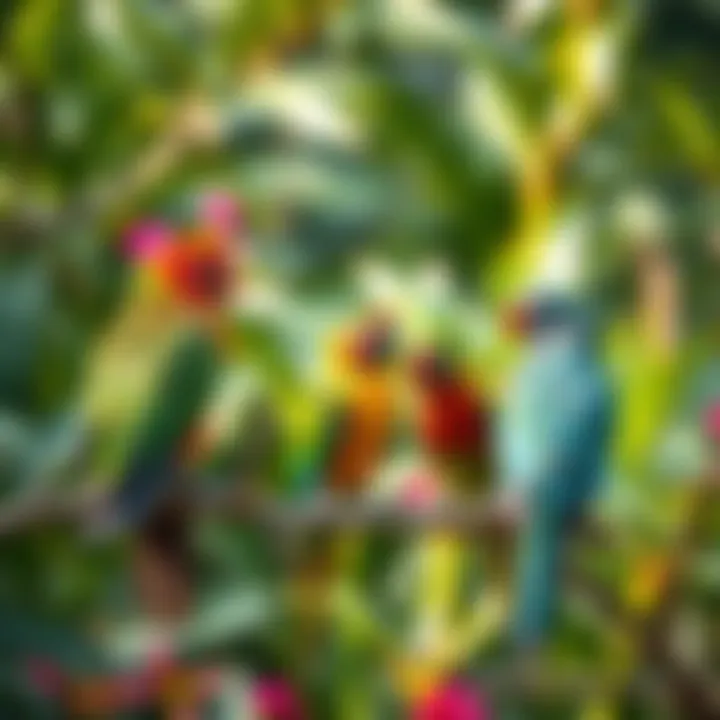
point(521, 449)
point(579, 444)
point(176, 404)
point(333, 436)
point(316, 464)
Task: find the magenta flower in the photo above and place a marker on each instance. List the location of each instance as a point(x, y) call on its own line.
point(275, 699)
point(454, 701)
point(147, 239)
point(220, 211)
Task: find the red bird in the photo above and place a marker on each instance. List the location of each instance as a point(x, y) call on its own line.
point(454, 422)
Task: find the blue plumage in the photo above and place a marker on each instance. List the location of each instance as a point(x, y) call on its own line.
point(556, 434)
point(144, 488)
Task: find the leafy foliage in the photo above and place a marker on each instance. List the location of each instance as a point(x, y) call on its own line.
point(506, 145)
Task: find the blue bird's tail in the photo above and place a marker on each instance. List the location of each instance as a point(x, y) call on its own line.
point(538, 588)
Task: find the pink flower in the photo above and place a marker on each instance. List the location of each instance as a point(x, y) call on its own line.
point(712, 422)
point(147, 239)
point(220, 211)
point(275, 699)
point(453, 701)
point(420, 491)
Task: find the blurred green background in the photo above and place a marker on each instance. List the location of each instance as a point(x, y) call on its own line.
point(439, 156)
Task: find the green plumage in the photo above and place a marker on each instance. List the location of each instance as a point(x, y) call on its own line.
point(174, 412)
point(178, 399)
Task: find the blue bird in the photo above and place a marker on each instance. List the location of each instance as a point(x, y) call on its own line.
point(555, 437)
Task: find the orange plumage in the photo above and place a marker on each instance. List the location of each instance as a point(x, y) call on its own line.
point(364, 364)
point(197, 268)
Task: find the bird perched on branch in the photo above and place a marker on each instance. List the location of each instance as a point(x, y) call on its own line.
point(555, 441)
point(195, 268)
point(359, 424)
point(454, 421)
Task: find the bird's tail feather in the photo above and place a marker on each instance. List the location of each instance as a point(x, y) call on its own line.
point(538, 583)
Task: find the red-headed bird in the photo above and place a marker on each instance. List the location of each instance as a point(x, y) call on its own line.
point(454, 421)
point(195, 267)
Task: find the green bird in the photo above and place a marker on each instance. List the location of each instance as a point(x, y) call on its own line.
point(178, 434)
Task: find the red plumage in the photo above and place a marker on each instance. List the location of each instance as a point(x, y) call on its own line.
point(195, 264)
point(453, 420)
